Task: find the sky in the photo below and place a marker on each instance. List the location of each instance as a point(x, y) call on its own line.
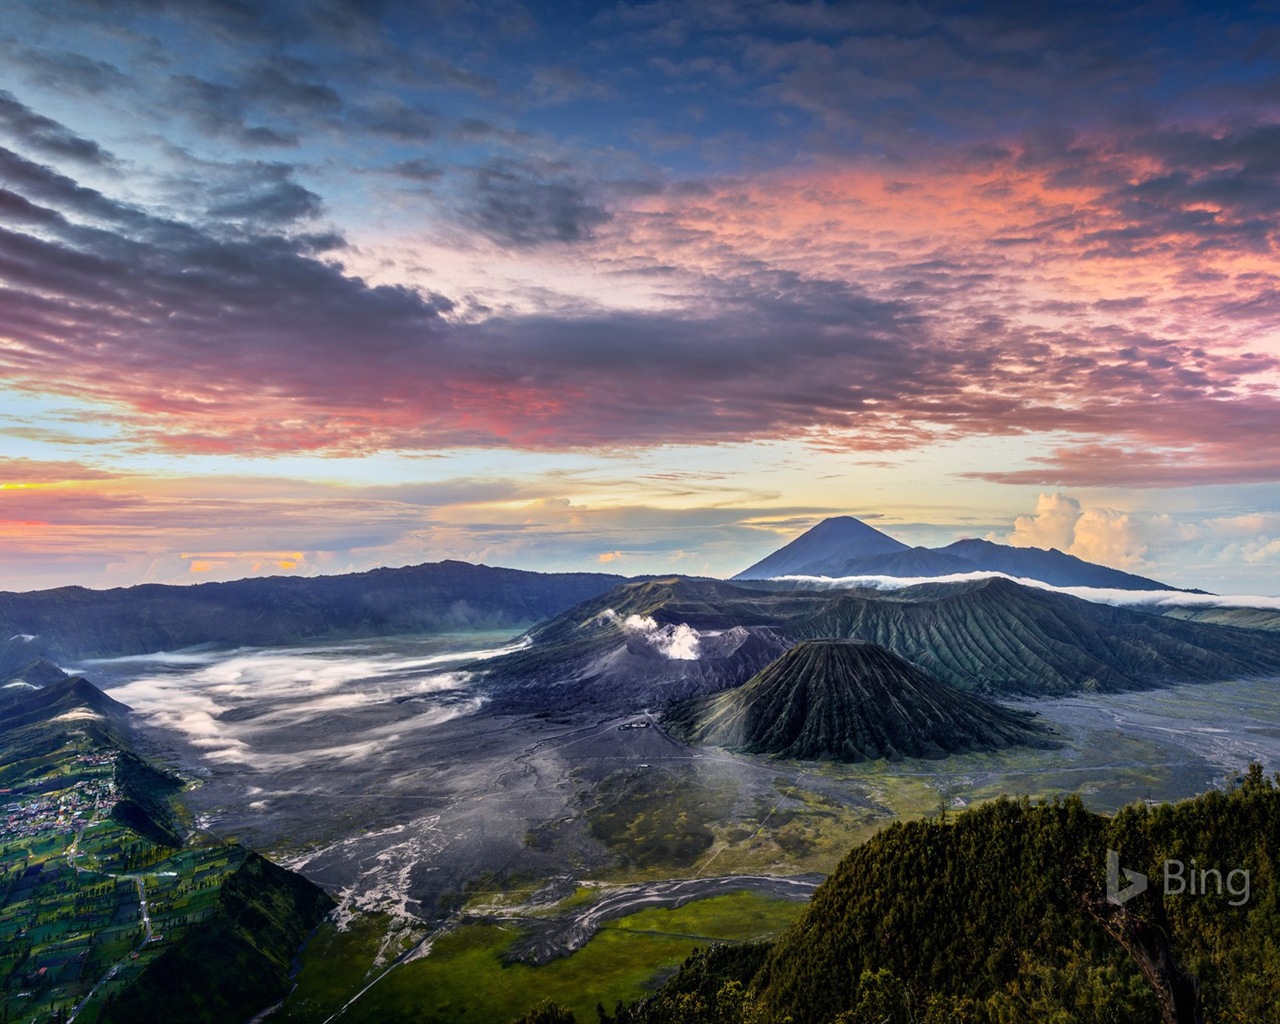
point(634, 287)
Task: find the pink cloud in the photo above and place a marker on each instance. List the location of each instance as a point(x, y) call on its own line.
point(1112, 289)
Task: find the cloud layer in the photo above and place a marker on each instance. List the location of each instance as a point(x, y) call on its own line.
point(328, 232)
point(1101, 283)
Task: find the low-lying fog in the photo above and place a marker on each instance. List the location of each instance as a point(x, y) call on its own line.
point(265, 708)
point(350, 761)
point(1150, 599)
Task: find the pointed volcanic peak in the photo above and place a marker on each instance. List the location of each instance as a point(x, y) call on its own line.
point(1050, 565)
point(69, 699)
point(22, 660)
point(37, 722)
point(821, 551)
point(849, 700)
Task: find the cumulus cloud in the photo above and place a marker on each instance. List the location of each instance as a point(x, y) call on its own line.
point(1052, 526)
point(1104, 535)
point(1149, 541)
point(1110, 537)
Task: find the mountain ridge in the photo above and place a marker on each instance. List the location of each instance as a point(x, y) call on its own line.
point(990, 635)
point(71, 623)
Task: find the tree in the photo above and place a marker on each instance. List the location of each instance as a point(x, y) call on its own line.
point(547, 1012)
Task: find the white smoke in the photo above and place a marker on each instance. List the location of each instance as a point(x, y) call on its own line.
point(679, 643)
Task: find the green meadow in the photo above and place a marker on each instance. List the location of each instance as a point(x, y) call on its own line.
point(464, 977)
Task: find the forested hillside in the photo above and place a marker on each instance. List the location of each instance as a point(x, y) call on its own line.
point(1001, 916)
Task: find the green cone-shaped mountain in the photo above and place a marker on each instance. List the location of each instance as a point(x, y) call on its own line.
point(849, 700)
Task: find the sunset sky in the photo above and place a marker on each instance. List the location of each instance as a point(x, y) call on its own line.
point(314, 287)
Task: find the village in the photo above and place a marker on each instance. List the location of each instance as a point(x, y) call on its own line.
point(85, 801)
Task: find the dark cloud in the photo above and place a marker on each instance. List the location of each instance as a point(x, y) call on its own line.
point(45, 136)
point(395, 119)
point(199, 329)
point(223, 344)
point(526, 204)
point(418, 170)
point(222, 111)
point(264, 193)
point(70, 72)
point(281, 202)
point(212, 343)
point(1211, 191)
point(288, 86)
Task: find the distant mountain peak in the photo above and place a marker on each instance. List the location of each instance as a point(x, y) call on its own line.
point(836, 540)
point(847, 529)
point(845, 546)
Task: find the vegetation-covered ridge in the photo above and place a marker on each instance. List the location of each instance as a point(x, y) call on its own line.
point(849, 700)
point(1001, 916)
point(45, 730)
point(238, 960)
point(106, 913)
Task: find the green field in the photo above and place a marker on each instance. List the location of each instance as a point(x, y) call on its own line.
point(464, 978)
point(70, 915)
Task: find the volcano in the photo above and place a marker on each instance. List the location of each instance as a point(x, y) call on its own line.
point(848, 700)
